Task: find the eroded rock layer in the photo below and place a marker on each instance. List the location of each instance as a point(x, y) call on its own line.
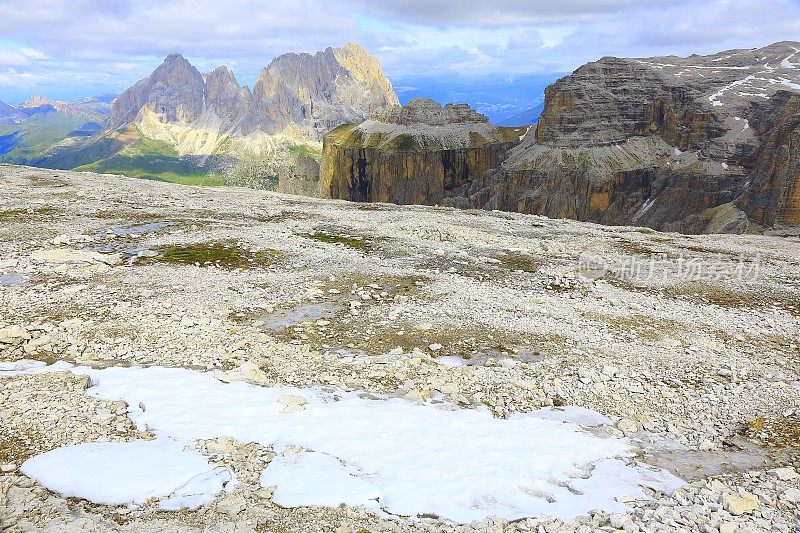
point(420, 153)
point(696, 144)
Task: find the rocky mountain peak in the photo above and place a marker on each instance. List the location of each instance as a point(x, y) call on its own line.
point(224, 95)
point(612, 99)
point(302, 94)
point(176, 71)
point(319, 92)
point(175, 91)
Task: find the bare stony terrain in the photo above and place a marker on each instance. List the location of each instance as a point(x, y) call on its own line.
point(696, 358)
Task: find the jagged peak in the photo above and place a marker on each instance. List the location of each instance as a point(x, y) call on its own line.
point(174, 62)
point(355, 48)
point(176, 56)
point(223, 73)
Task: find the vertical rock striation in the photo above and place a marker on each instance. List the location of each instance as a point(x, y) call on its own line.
point(420, 153)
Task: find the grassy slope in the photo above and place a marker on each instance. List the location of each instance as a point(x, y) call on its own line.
point(124, 152)
point(36, 135)
point(151, 159)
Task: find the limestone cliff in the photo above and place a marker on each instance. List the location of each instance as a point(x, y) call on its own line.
point(773, 195)
point(663, 142)
point(696, 144)
point(420, 153)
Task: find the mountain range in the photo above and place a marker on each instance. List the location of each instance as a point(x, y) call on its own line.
point(690, 144)
point(39, 126)
point(497, 96)
point(182, 125)
point(695, 144)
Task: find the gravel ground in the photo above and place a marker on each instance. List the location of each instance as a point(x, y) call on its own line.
point(696, 358)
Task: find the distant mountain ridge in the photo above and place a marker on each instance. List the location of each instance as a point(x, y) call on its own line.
point(10, 115)
point(182, 125)
point(40, 125)
point(526, 118)
point(498, 96)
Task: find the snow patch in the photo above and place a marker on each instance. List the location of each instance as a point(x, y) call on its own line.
point(122, 473)
point(390, 455)
point(789, 83)
point(332, 481)
point(786, 62)
point(714, 97)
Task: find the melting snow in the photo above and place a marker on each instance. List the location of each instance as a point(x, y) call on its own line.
point(789, 83)
point(119, 473)
point(714, 97)
point(787, 64)
point(389, 455)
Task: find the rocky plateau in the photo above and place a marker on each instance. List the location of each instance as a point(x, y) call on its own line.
point(686, 347)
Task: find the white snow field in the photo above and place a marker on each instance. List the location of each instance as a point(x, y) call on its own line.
point(390, 455)
point(120, 473)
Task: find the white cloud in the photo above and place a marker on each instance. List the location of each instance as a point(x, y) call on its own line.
point(115, 43)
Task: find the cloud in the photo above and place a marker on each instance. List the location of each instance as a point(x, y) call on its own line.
point(112, 44)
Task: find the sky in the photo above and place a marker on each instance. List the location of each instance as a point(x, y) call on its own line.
point(68, 49)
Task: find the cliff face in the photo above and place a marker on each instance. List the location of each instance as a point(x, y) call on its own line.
point(417, 154)
point(773, 196)
point(696, 144)
point(672, 143)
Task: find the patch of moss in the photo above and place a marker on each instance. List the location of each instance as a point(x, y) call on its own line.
point(520, 261)
point(20, 214)
point(304, 149)
point(358, 243)
point(222, 254)
point(17, 449)
point(343, 134)
point(644, 327)
point(405, 142)
point(42, 181)
point(634, 248)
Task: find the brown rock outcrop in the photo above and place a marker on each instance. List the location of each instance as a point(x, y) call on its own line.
point(773, 196)
point(421, 153)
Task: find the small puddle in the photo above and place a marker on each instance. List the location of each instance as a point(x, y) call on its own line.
point(132, 230)
point(279, 319)
point(12, 279)
point(692, 465)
